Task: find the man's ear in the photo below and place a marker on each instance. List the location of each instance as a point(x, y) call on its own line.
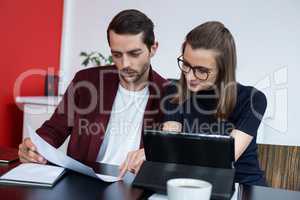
point(153, 49)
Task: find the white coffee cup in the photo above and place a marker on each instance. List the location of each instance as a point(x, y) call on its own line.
point(188, 189)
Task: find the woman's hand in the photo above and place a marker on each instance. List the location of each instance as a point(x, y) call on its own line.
point(172, 126)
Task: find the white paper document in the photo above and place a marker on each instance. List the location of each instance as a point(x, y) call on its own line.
point(59, 158)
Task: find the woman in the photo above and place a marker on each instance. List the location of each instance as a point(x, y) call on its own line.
point(209, 100)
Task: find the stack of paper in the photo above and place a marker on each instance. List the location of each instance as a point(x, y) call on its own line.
point(33, 174)
point(47, 175)
point(59, 158)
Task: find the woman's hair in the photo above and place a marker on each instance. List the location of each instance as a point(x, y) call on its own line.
point(214, 36)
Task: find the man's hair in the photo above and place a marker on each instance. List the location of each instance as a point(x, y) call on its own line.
point(133, 22)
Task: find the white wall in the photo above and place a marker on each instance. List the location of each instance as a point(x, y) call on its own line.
point(266, 34)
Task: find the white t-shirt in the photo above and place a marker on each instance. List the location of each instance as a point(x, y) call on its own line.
point(123, 133)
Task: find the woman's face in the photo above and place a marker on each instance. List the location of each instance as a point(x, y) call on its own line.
point(203, 61)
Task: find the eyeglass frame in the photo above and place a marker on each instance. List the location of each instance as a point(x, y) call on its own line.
point(193, 68)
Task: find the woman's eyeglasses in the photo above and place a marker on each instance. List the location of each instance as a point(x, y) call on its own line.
point(200, 72)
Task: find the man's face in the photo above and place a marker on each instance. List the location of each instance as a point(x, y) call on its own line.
point(131, 56)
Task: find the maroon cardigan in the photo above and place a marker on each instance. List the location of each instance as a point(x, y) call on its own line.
point(87, 129)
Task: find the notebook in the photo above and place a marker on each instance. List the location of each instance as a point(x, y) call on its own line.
point(33, 174)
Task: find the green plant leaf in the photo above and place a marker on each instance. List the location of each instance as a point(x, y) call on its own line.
point(96, 58)
point(101, 56)
point(86, 62)
point(84, 54)
point(97, 61)
point(110, 60)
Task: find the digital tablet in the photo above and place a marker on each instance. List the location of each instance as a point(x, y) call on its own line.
point(206, 150)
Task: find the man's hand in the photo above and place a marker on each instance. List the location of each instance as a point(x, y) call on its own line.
point(28, 152)
point(133, 162)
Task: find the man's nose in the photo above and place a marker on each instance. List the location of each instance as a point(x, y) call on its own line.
point(125, 61)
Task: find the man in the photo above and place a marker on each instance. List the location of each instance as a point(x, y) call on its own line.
point(105, 109)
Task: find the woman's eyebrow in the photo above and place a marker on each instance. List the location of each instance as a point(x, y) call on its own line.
point(197, 66)
point(187, 62)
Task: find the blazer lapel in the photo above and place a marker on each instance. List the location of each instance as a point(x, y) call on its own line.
point(152, 107)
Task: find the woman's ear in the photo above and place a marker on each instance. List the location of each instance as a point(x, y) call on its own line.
point(153, 49)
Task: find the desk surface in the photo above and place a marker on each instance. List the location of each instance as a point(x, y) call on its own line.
point(74, 186)
point(77, 186)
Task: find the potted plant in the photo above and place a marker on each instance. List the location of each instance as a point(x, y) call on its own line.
point(95, 58)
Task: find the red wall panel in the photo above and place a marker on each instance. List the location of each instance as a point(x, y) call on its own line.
point(30, 37)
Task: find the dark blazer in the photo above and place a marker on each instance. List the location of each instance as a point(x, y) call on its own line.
point(85, 109)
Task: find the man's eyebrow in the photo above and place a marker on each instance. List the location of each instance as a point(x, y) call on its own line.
point(131, 51)
point(134, 51)
point(115, 51)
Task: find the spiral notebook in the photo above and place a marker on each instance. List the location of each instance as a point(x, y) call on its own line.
point(33, 174)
